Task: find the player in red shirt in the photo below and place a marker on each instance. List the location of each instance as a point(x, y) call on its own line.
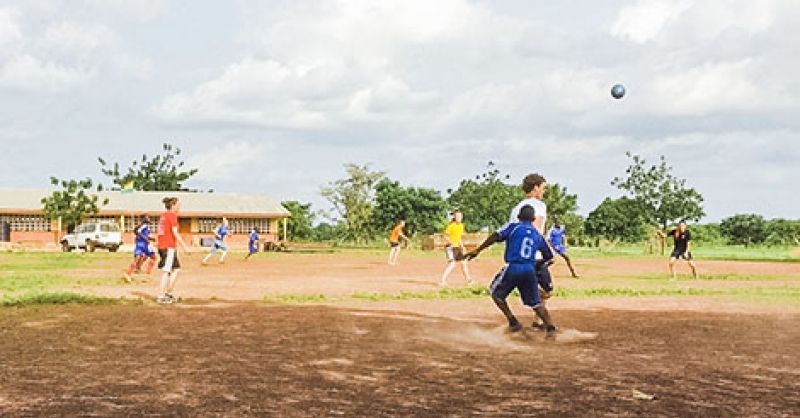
point(168, 238)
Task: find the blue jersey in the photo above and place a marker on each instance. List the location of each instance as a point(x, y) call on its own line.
point(522, 242)
point(222, 231)
point(253, 237)
point(143, 235)
point(557, 236)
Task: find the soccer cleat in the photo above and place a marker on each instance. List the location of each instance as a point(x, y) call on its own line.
point(537, 326)
point(550, 331)
point(514, 326)
point(164, 300)
point(172, 298)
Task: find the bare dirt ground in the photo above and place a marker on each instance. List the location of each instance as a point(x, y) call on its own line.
point(223, 353)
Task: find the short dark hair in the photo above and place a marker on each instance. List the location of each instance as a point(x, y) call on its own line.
point(527, 213)
point(531, 181)
point(169, 202)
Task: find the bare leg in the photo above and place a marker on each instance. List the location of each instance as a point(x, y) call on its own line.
point(672, 268)
point(172, 279)
point(513, 323)
point(150, 265)
point(162, 288)
point(465, 270)
point(569, 264)
point(447, 270)
point(694, 268)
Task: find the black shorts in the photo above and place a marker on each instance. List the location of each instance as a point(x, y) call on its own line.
point(684, 255)
point(394, 244)
point(543, 277)
point(168, 259)
point(453, 253)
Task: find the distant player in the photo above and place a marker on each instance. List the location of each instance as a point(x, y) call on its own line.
point(558, 240)
point(219, 242)
point(168, 238)
point(682, 248)
point(394, 241)
point(142, 249)
point(522, 243)
point(454, 248)
point(252, 243)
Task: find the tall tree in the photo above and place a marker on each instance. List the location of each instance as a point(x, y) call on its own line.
point(162, 172)
point(664, 197)
point(617, 220)
point(353, 198)
point(299, 226)
point(423, 209)
point(76, 200)
point(485, 200)
point(783, 232)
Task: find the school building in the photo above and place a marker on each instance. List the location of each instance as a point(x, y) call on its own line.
point(199, 216)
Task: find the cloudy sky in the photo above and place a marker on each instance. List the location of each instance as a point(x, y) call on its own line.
point(273, 97)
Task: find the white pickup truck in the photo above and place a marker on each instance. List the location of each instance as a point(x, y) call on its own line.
point(92, 235)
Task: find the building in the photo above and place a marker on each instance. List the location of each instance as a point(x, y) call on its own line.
point(199, 216)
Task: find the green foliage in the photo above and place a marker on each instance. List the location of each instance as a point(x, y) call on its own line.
point(486, 200)
point(746, 229)
point(327, 232)
point(73, 202)
point(707, 234)
point(59, 298)
point(299, 224)
point(163, 172)
point(783, 232)
point(619, 219)
point(423, 209)
point(563, 206)
point(664, 197)
point(353, 199)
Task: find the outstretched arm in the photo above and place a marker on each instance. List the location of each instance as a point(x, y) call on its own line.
point(495, 237)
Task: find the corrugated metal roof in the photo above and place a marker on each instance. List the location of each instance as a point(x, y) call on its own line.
point(198, 204)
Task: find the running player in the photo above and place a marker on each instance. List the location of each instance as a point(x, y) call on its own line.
point(142, 249)
point(394, 241)
point(522, 243)
point(558, 240)
point(682, 248)
point(454, 248)
point(219, 242)
point(168, 238)
point(252, 243)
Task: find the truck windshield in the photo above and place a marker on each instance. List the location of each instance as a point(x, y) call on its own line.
point(108, 228)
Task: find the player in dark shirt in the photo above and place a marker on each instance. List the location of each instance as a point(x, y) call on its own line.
point(682, 249)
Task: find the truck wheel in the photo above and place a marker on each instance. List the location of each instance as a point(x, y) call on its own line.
point(113, 249)
point(65, 247)
point(89, 246)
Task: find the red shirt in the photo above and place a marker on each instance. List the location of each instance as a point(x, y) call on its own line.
point(166, 239)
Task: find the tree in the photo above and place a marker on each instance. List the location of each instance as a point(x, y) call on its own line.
point(485, 201)
point(423, 209)
point(353, 199)
point(162, 172)
point(783, 232)
point(744, 229)
point(617, 220)
point(665, 198)
point(564, 206)
point(299, 224)
point(73, 202)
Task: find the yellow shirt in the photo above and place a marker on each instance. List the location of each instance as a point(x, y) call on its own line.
point(454, 232)
point(395, 236)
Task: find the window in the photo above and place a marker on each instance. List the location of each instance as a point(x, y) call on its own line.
point(237, 225)
point(27, 223)
point(109, 228)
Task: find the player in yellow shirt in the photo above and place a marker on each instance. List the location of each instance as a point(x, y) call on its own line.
point(394, 241)
point(454, 248)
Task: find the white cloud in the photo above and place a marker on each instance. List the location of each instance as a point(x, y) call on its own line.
point(643, 21)
point(28, 73)
point(10, 31)
point(76, 39)
point(137, 9)
point(233, 160)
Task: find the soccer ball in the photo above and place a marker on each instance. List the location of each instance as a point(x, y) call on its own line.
point(618, 91)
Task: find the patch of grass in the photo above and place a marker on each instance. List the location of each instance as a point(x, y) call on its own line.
point(39, 262)
point(15, 282)
point(296, 299)
point(446, 293)
point(62, 298)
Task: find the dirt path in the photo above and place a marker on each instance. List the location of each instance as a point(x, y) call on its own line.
point(248, 360)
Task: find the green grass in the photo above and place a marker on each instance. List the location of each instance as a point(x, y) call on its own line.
point(296, 299)
point(57, 298)
point(699, 251)
point(17, 282)
point(39, 262)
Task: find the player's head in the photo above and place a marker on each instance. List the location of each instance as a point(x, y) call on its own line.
point(556, 222)
point(256, 230)
point(533, 185)
point(172, 204)
point(401, 222)
point(225, 221)
point(457, 216)
point(682, 224)
point(526, 214)
point(146, 220)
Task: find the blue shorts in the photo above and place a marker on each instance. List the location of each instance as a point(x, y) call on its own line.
point(143, 249)
point(253, 248)
point(560, 249)
point(218, 245)
point(516, 276)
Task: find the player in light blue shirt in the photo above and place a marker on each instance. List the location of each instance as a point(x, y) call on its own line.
point(219, 242)
point(558, 240)
point(522, 242)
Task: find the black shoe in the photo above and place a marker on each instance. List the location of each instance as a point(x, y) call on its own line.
point(550, 331)
point(539, 326)
point(514, 326)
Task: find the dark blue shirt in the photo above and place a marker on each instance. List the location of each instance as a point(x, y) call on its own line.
point(522, 242)
point(143, 234)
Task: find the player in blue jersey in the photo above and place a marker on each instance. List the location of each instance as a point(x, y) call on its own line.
point(219, 242)
point(252, 243)
point(522, 242)
point(142, 249)
point(558, 240)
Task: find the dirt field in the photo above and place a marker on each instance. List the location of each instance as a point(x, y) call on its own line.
point(224, 353)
